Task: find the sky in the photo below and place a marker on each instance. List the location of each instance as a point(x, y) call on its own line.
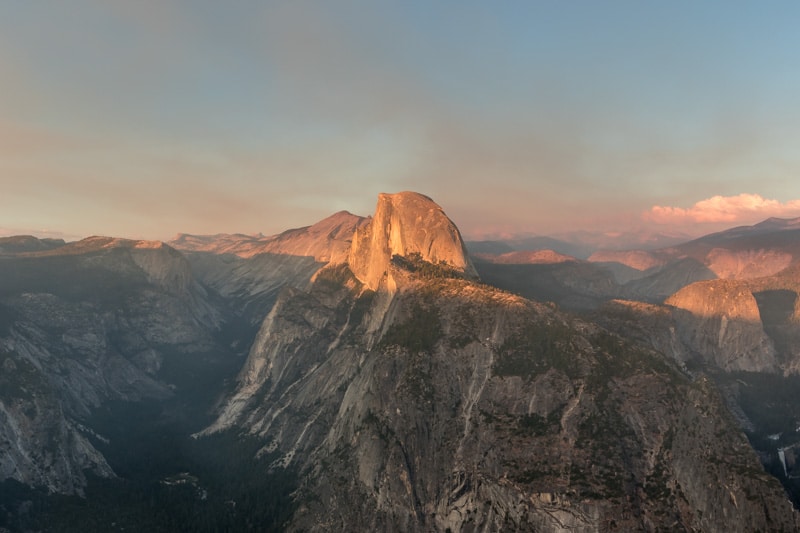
point(142, 119)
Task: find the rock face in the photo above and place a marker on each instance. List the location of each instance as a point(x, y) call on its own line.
point(327, 241)
point(435, 404)
point(404, 395)
point(721, 321)
point(81, 325)
point(747, 264)
point(406, 224)
point(40, 445)
point(750, 325)
point(720, 325)
point(249, 272)
point(477, 410)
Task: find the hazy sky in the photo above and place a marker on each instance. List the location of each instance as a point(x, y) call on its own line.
point(147, 118)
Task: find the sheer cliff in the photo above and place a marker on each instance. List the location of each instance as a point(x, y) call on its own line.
point(81, 325)
point(412, 399)
point(383, 387)
point(749, 325)
point(406, 224)
point(249, 272)
point(721, 320)
point(743, 334)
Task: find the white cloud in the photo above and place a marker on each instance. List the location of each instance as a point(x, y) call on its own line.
point(743, 208)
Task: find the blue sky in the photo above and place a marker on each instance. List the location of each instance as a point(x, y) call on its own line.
point(144, 119)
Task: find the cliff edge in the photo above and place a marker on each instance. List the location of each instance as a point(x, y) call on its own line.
point(406, 224)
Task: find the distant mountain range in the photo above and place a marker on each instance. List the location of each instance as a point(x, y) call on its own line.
point(327, 240)
point(651, 275)
point(380, 374)
point(579, 244)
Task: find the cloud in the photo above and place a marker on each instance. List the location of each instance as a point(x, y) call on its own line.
point(145, 119)
point(742, 208)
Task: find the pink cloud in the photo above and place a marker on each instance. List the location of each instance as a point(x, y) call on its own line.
point(743, 208)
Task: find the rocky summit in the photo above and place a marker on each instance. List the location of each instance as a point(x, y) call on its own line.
point(413, 399)
point(406, 224)
point(358, 375)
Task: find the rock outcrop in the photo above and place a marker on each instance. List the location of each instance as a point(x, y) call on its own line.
point(750, 325)
point(478, 410)
point(442, 404)
point(721, 321)
point(249, 272)
point(406, 224)
point(327, 241)
point(398, 393)
point(747, 264)
point(40, 444)
point(82, 325)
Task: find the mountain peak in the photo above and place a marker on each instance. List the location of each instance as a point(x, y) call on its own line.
point(406, 223)
point(326, 241)
point(775, 223)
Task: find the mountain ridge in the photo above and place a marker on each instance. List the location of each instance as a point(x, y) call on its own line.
point(326, 241)
point(417, 405)
point(396, 389)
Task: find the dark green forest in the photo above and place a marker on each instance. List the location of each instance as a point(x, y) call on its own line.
point(167, 481)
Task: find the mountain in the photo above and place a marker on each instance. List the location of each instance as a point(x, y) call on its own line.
point(531, 257)
point(407, 225)
point(640, 260)
point(744, 334)
point(623, 240)
point(488, 247)
point(744, 252)
point(326, 241)
point(751, 324)
point(367, 374)
point(249, 272)
point(579, 244)
point(523, 244)
point(82, 325)
point(747, 252)
point(572, 285)
point(409, 397)
point(27, 243)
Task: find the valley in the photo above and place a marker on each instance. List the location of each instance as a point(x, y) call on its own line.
point(381, 374)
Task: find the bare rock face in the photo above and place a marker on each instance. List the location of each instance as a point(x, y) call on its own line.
point(39, 444)
point(747, 264)
point(406, 224)
point(82, 325)
point(250, 271)
point(327, 241)
point(435, 404)
point(477, 410)
point(749, 325)
point(721, 320)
